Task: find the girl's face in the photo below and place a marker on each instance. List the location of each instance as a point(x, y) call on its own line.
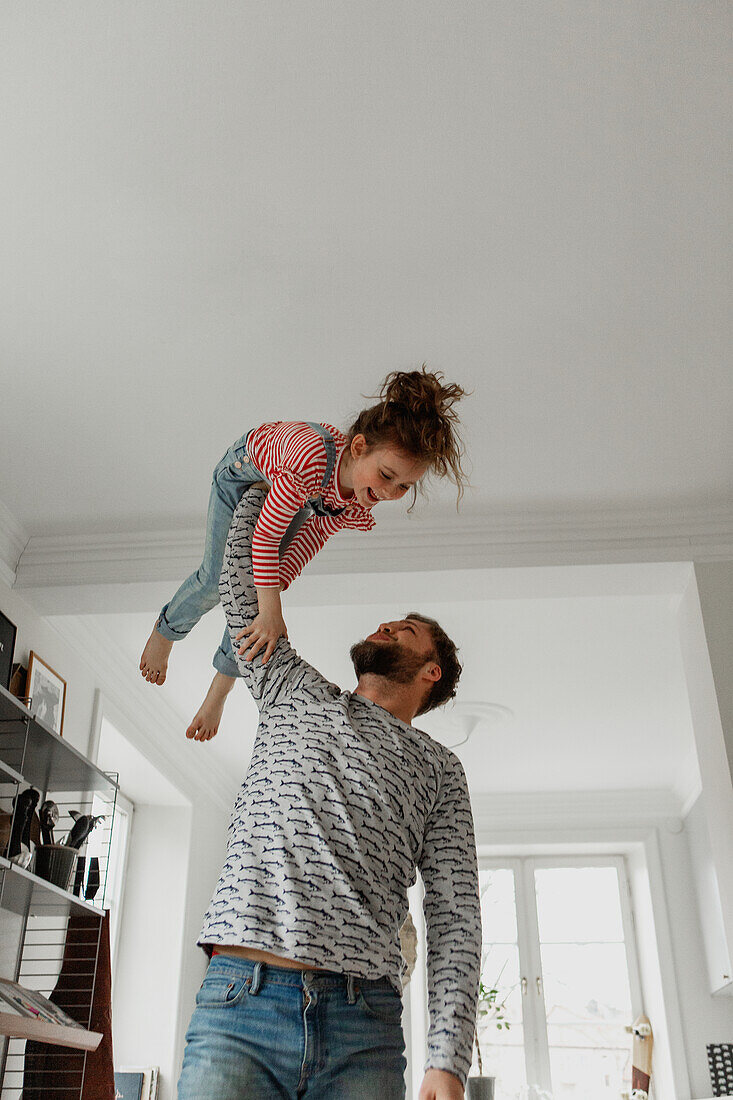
point(382, 472)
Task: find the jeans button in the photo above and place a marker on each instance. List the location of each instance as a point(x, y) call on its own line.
point(238, 465)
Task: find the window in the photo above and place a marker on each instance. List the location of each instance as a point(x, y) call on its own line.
point(114, 880)
point(558, 945)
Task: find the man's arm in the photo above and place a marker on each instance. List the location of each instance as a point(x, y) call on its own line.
point(239, 600)
point(452, 908)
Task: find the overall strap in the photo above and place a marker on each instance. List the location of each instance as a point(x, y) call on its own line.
point(330, 445)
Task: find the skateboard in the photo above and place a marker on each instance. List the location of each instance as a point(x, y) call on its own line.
point(641, 1059)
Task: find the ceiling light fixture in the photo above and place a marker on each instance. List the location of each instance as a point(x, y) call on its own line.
point(463, 718)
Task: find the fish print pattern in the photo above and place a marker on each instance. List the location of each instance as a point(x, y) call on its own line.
point(341, 804)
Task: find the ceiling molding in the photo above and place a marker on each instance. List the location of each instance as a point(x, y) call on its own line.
point(588, 537)
point(498, 814)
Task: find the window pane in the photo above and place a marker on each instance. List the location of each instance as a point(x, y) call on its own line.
point(498, 906)
point(506, 1063)
point(586, 983)
point(574, 1073)
point(502, 1049)
point(578, 903)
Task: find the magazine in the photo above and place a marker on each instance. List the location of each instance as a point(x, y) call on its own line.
point(25, 1014)
point(26, 1002)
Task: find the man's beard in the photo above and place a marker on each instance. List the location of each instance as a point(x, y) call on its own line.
point(386, 659)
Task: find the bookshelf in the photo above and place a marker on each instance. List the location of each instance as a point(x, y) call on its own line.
point(38, 917)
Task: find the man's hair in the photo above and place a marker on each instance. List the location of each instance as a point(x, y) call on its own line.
point(446, 655)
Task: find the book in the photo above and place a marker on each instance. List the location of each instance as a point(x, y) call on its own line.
point(26, 1014)
point(144, 1080)
point(129, 1086)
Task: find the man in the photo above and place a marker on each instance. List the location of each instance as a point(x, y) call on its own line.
point(342, 801)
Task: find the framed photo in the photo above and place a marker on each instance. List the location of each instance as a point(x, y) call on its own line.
point(7, 648)
point(47, 692)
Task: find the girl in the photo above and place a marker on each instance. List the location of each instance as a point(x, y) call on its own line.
point(320, 482)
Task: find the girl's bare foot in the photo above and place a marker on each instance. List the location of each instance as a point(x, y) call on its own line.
point(206, 722)
point(154, 661)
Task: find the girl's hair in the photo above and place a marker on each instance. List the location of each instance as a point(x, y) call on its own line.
point(415, 414)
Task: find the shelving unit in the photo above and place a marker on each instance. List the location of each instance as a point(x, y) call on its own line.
point(53, 928)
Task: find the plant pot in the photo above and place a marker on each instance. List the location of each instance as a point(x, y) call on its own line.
point(55, 863)
point(480, 1088)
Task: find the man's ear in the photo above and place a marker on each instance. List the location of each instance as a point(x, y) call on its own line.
point(434, 672)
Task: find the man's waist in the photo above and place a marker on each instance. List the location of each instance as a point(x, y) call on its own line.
point(256, 955)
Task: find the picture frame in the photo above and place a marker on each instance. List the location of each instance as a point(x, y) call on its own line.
point(47, 693)
point(8, 634)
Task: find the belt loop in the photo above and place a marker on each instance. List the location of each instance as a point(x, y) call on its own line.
point(256, 979)
point(350, 989)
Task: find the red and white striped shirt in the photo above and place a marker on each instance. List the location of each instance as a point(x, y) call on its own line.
point(292, 456)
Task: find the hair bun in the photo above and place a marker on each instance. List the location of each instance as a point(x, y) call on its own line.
point(416, 414)
point(422, 392)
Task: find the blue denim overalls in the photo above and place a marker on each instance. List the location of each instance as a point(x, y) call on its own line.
point(200, 592)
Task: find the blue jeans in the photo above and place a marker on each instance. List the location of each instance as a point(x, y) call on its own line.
point(262, 1032)
point(200, 592)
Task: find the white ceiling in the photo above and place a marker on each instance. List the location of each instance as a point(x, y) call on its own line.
point(213, 214)
point(216, 214)
point(587, 660)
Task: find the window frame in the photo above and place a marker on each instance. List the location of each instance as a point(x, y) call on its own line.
point(536, 1044)
point(115, 887)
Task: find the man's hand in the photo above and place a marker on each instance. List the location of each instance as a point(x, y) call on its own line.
point(438, 1084)
point(265, 629)
point(262, 633)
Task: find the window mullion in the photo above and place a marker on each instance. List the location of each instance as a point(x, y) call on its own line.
point(629, 928)
point(532, 970)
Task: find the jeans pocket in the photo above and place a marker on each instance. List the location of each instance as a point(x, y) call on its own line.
point(236, 467)
point(381, 1003)
point(221, 991)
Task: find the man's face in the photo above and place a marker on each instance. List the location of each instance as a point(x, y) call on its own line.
point(398, 651)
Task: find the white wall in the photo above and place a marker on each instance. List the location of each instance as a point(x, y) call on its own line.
point(37, 633)
point(148, 974)
point(706, 1019)
point(87, 666)
point(715, 589)
point(205, 858)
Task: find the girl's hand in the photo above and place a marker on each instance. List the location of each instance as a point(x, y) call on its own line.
point(262, 633)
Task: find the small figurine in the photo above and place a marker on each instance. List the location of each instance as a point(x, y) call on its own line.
point(83, 826)
point(19, 848)
point(93, 880)
point(79, 876)
point(49, 816)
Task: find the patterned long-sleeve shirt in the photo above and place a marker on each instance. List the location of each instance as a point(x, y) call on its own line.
point(292, 456)
point(341, 804)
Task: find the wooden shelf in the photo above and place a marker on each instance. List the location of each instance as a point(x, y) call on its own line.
point(43, 759)
point(6, 772)
point(22, 891)
point(22, 1027)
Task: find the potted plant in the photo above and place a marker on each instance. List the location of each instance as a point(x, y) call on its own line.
point(489, 1008)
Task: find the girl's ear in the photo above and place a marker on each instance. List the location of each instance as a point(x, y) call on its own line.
point(359, 446)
